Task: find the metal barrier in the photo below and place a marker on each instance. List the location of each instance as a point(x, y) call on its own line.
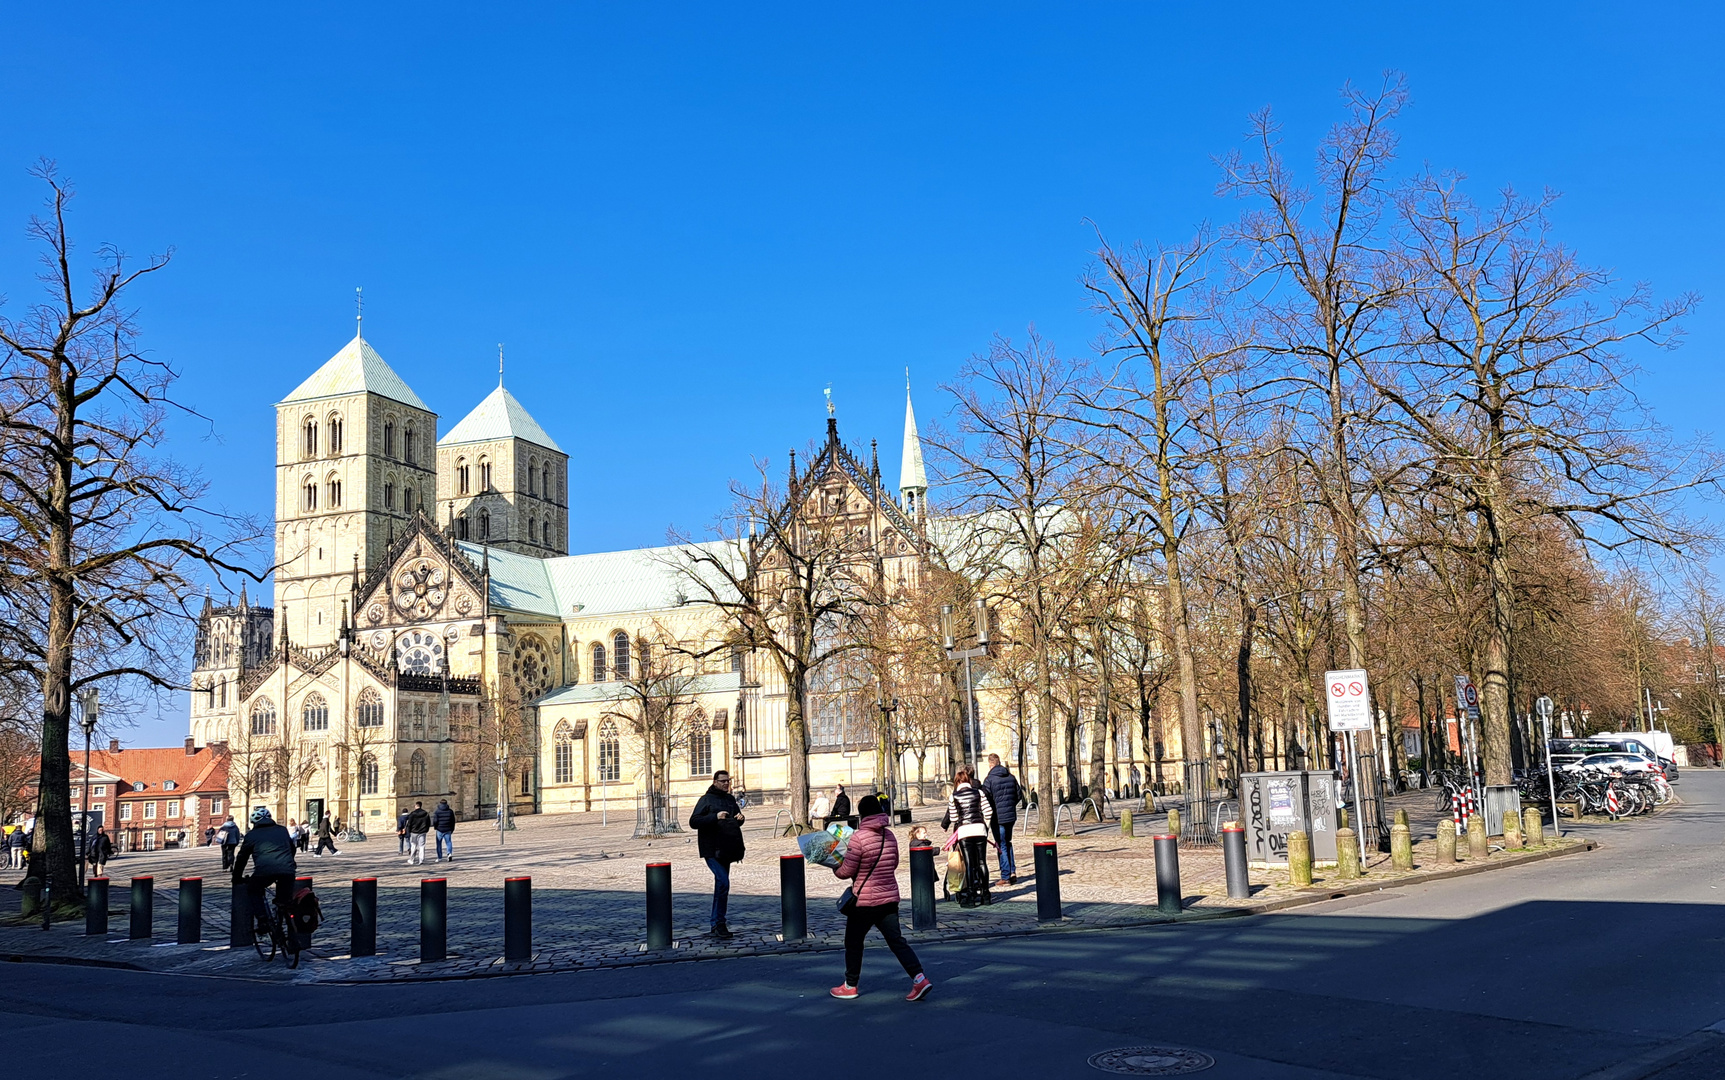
point(776, 814)
point(1071, 818)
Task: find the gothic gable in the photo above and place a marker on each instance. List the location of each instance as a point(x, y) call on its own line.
point(423, 578)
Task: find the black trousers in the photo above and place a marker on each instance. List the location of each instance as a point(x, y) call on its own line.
point(883, 917)
point(228, 855)
point(976, 890)
point(322, 840)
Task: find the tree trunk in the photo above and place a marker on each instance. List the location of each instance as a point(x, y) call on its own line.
point(1243, 676)
point(797, 747)
point(53, 841)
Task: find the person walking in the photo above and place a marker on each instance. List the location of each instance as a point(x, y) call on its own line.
point(325, 835)
point(1003, 792)
point(871, 862)
point(101, 850)
point(718, 824)
point(418, 824)
point(970, 815)
point(443, 820)
point(401, 831)
point(294, 832)
point(229, 836)
point(15, 847)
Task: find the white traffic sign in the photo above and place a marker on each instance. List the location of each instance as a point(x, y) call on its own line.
point(1468, 696)
point(1348, 698)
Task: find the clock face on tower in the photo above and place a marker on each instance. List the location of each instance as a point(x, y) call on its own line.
point(420, 653)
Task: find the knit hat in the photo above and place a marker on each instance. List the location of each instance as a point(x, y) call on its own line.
point(869, 806)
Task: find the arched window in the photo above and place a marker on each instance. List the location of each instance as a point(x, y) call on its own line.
point(461, 527)
point(389, 437)
point(563, 767)
point(416, 773)
point(222, 687)
point(461, 475)
point(316, 713)
point(263, 781)
point(407, 500)
point(334, 433)
point(484, 474)
point(620, 654)
point(334, 491)
point(408, 449)
point(700, 747)
point(368, 775)
point(610, 754)
point(533, 477)
point(263, 717)
point(532, 531)
point(545, 481)
point(369, 712)
point(308, 438)
point(310, 498)
point(527, 780)
point(484, 524)
point(598, 662)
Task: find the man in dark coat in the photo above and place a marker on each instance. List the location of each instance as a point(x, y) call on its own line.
point(229, 837)
point(325, 838)
point(1003, 791)
point(443, 823)
point(718, 825)
point(418, 824)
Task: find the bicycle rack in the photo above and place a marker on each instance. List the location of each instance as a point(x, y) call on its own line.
point(1094, 806)
point(776, 815)
point(1071, 819)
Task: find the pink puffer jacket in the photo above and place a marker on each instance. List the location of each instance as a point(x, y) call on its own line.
point(871, 860)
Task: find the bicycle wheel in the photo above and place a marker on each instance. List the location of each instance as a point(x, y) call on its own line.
point(290, 946)
point(264, 939)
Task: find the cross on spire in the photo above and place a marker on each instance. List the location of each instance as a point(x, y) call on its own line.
point(358, 310)
point(500, 363)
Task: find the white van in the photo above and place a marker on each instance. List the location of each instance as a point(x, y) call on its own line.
point(1649, 743)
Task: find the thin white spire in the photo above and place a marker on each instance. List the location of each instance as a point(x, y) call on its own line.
point(912, 480)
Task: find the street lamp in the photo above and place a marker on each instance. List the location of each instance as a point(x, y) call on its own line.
point(89, 701)
point(889, 737)
point(1544, 708)
point(502, 790)
point(981, 649)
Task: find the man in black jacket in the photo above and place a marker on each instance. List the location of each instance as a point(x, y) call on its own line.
point(270, 849)
point(718, 825)
point(443, 821)
point(1003, 791)
point(418, 824)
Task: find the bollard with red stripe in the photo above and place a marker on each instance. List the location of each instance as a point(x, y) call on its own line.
point(517, 919)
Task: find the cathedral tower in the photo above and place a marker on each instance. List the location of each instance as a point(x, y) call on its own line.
point(500, 479)
point(912, 480)
point(355, 458)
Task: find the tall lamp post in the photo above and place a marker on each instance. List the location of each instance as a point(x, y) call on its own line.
point(1544, 708)
point(952, 653)
point(502, 790)
point(89, 701)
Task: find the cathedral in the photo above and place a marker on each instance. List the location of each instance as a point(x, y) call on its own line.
point(432, 638)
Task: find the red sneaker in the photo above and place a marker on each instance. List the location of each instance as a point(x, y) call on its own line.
point(844, 991)
point(918, 987)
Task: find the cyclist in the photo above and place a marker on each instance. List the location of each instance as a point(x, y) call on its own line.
point(270, 850)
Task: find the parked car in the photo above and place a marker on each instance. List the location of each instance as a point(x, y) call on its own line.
point(1626, 762)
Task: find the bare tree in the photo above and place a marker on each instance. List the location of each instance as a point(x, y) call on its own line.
point(658, 701)
point(1015, 461)
point(110, 531)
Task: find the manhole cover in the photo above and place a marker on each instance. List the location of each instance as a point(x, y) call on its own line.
point(1151, 1061)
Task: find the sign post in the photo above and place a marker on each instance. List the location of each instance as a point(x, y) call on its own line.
point(1467, 696)
point(1348, 700)
point(1544, 707)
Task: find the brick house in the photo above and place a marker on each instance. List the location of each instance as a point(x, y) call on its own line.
point(151, 798)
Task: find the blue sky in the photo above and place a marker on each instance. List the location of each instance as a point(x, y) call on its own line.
point(685, 221)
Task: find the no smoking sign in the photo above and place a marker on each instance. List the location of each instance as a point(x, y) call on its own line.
point(1348, 700)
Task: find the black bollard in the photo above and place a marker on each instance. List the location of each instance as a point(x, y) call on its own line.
point(658, 905)
point(1047, 856)
point(1234, 861)
point(96, 906)
point(191, 928)
point(143, 908)
point(922, 887)
point(362, 923)
point(433, 920)
point(1168, 875)
point(241, 931)
point(517, 918)
point(793, 898)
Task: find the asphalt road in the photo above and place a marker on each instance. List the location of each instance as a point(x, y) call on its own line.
point(1609, 964)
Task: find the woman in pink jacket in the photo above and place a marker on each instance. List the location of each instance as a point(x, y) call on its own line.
point(871, 862)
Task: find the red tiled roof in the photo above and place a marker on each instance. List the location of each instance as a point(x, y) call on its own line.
point(201, 772)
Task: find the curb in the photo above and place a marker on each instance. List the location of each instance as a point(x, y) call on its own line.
point(1319, 896)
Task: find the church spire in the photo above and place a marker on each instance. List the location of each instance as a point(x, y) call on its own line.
point(912, 480)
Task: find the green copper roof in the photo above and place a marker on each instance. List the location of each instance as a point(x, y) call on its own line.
point(499, 416)
point(356, 369)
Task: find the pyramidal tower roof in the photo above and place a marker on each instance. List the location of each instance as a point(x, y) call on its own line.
point(499, 416)
point(911, 476)
point(356, 369)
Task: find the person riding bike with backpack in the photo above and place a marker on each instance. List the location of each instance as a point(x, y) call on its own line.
point(270, 849)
